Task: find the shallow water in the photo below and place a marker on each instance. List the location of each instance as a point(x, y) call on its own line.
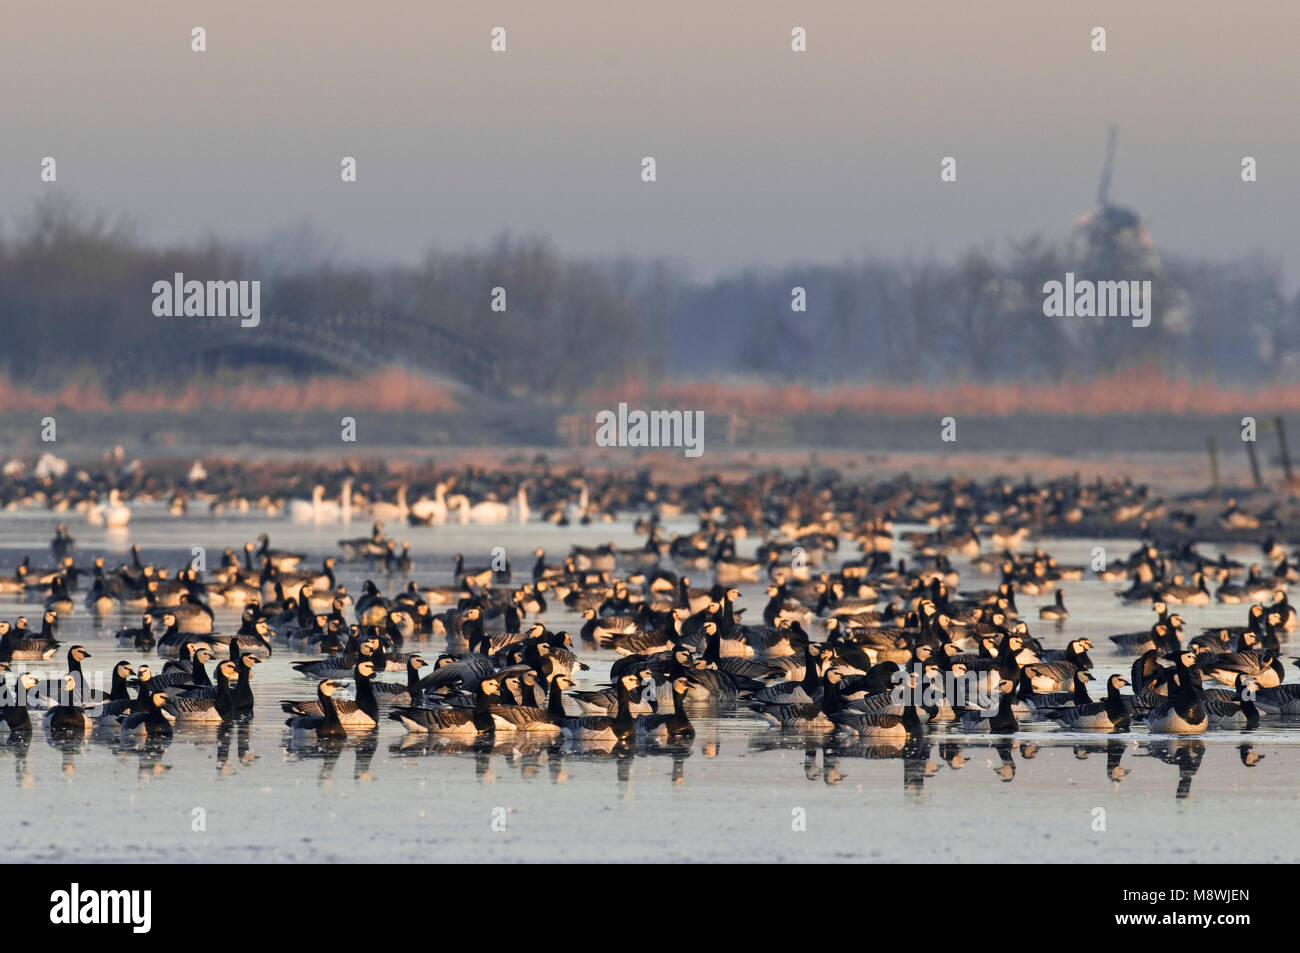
point(740, 791)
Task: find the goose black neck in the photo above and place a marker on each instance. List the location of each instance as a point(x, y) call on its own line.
point(623, 720)
point(555, 700)
point(243, 693)
point(413, 686)
point(366, 699)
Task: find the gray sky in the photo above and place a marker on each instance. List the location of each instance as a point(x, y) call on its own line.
point(764, 156)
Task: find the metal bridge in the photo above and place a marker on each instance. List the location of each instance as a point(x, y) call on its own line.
point(352, 343)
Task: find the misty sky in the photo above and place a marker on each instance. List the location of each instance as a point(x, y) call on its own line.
point(764, 156)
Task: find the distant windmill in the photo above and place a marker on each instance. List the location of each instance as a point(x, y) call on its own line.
point(1112, 240)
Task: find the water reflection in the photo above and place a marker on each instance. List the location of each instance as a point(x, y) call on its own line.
point(240, 733)
point(824, 759)
point(1113, 748)
point(1184, 753)
point(328, 751)
point(533, 758)
point(1249, 756)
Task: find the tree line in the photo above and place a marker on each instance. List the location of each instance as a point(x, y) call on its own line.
point(75, 303)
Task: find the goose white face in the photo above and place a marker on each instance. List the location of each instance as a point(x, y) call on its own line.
point(28, 681)
point(329, 687)
point(228, 669)
point(490, 686)
point(1119, 681)
point(417, 662)
point(123, 670)
point(169, 620)
point(160, 699)
point(366, 669)
point(630, 682)
point(564, 682)
point(144, 674)
point(680, 684)
point(250, 660)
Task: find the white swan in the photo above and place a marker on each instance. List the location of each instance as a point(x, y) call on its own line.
point(458, 503)
point(519, 508)
point(432, 511)
point(112, 515)
point(396, 512)
point(574, 512)
point(340, 512)
point(487, 511)
point(320, 510)
point(345, 501)
point(307, 511)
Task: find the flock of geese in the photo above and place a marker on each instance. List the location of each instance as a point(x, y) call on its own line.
point(424, 495)
point(863, 631)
